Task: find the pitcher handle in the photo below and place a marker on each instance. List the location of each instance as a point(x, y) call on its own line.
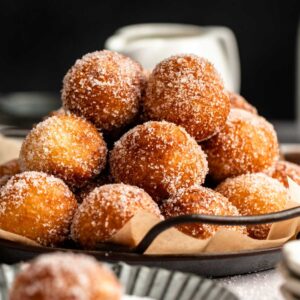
point(228, 41)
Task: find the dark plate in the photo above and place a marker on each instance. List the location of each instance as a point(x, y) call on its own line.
point(211, 265)
point(216, 265)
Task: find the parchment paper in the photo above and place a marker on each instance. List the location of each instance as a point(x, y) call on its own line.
point(173, 241)
point(9, 148)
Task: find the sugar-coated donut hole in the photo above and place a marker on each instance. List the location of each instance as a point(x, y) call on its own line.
point(106, 210)
point(37, 206)
point(255, 194)
point(105, 87)
point(159, 157)
point(64, 276)
point(200, 200)
point(247, 144)
point(188, 91)
point(66, 146)
point(237, 101)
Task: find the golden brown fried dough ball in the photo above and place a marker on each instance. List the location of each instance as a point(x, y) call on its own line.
point(187, 90)
point(8, 169)
point(159, 157)
point(285, 169)
point(255, 194)
point(66, 146)
point(200, 200)
point(105, 87)
point(237, 101)
point(65, 276)
point(247, 144)
point(37, 206)
point(106, 210)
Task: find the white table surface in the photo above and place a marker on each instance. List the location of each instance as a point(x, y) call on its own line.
point(257, 286)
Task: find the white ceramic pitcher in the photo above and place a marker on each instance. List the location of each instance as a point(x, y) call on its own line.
point(150, 43)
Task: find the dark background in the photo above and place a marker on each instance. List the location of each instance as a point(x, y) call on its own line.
point(41, 39)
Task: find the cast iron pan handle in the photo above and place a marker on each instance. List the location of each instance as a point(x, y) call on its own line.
point(157, 229)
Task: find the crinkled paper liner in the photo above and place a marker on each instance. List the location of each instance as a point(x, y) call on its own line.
point(173, 241)
point(9, 148)
point(17, 238)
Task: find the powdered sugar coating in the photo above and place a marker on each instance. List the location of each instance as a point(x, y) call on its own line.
point(237, 101)
point(106, 210)
point(247, 144)
point(105, 87)
point(159, 157)
point(65, 276)
point(66, 146)
point(37, 206)
point(285, 169)
point(200, 200)
point(255, 194)
point(188, 91)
